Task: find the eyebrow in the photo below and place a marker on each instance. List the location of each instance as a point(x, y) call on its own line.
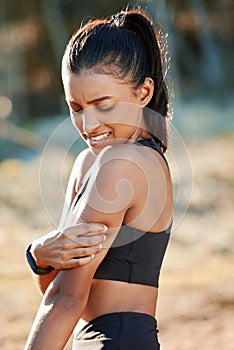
point(99, 99)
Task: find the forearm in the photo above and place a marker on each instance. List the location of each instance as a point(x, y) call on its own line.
point(42, 282)
point(55, 321)
point(42, 274)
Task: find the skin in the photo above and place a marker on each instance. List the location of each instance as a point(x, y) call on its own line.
point(75, 245)
point(122, 174)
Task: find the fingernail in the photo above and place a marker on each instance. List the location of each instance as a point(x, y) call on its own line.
point(100, 246)
point(104, 238)
point(105, 228)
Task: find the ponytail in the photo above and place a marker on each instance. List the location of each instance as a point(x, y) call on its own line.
point(142, 25)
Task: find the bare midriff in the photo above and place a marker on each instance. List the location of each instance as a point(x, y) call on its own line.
point(107, 296)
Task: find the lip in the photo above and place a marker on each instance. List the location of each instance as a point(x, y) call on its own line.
point(98, 139)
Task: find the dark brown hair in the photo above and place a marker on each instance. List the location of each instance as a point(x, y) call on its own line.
point(127, 46)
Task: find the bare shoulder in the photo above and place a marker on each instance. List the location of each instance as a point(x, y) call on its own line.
point(120, 152)
point(113, 186)
point(129, 157)
point(126, 178)
point(118, 160)
point(122, 169)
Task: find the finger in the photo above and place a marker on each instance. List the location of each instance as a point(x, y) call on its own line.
point(67, 244)
point(82, 252)
point(81, 261)
point(88, 241)
point(84, 228)
point(72, 263)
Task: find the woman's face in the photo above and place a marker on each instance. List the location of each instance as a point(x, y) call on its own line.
point(104, 110)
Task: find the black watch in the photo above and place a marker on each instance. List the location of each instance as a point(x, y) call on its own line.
point(33, 265)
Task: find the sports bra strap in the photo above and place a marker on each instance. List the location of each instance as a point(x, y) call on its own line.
point(152, 144)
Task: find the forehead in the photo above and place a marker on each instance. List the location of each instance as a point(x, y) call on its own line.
point(88, 85)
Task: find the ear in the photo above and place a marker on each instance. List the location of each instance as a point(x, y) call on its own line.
point(145, 91)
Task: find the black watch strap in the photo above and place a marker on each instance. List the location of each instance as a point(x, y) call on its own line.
point(33, 265)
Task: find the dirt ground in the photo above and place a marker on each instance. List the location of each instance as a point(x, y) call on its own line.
point(196, 295)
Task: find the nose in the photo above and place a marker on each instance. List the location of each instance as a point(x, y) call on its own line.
point(90, 121)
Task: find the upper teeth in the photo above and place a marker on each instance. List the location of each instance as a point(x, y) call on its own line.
point(100, 137)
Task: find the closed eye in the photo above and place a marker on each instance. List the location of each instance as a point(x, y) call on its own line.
point(104, 107)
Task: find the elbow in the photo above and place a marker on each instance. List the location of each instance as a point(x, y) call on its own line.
point(70, 303)
point(67, 301)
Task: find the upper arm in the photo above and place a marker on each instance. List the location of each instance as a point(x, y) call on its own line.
point(112, 188)
point(81, 164)
point(111, 191)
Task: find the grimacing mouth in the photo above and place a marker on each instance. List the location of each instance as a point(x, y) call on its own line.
point(98, 137)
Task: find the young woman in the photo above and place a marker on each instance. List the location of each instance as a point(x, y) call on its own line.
point(115, 88)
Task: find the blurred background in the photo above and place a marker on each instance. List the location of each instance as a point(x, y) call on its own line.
point(197, 284)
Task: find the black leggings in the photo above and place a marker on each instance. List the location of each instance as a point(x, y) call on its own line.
point(118, 331)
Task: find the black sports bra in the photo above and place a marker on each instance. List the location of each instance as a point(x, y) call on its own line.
point(135, 256)
point(136, 262)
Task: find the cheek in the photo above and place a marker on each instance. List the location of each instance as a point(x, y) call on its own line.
point(124, 113)
point(129, 113)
